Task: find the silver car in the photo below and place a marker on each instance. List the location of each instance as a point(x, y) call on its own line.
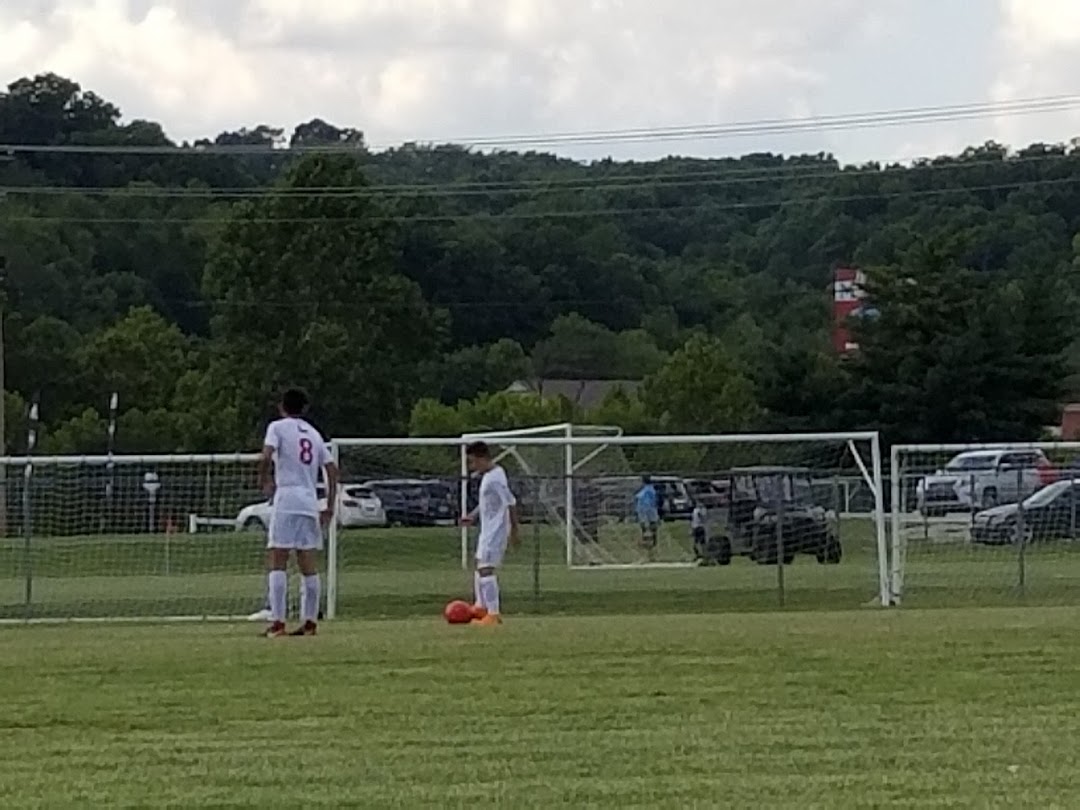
point(982, 479)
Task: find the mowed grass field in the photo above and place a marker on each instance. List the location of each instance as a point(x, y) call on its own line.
point(920, 709)
point(404, 572)
point(605, 688)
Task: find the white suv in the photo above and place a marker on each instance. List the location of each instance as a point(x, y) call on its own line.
point(357, 506)
point(982, 479)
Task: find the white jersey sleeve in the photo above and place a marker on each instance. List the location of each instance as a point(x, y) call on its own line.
point(502, 486)
point(272, 440)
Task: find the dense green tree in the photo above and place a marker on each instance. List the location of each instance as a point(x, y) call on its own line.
point(624, 409)
point(305, 292)
point(958, 355)
point(476, 369)
point(42, 358)
point(437, 271)
point(702, 388)
point(320, 133)
point(581, 349)
point(141, 357)
point(84, 434)
point(486, 413)
point(15, 423)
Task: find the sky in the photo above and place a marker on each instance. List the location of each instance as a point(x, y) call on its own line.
point(450, 70)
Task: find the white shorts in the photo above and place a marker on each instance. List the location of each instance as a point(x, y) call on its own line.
point(295, 532)
point(490, 551)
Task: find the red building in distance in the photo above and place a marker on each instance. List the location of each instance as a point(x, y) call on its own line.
point(848, 297)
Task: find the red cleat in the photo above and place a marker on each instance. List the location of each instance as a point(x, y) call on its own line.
point(479, 612)
point(307, 629)
point(275, 630)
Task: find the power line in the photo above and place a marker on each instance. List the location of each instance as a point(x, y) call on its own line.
point(769, 126)
point(554, 215)
point(714, 178)
point(821, 123)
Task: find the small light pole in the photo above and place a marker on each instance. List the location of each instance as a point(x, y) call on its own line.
point(152, 485)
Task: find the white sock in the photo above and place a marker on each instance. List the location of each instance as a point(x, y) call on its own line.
point(309, 601)
point(279, 588)
point(489, 588)
point(478, 592)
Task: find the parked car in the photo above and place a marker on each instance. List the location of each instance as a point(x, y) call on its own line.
point(416, 501)
point(983, 479)
point(358, 507)
point(1049, 514)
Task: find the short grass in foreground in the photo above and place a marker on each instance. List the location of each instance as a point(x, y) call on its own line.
point(947, 708)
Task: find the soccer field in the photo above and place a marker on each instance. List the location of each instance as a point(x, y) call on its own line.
point(957, 708)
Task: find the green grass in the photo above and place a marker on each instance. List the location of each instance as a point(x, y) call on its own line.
point(957, 708)
point(641, 688)
point(399, 573)
point(404, 572)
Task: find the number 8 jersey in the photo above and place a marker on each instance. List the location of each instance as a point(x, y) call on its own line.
point(300, 455)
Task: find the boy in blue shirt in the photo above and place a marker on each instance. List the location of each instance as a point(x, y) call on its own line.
point(647, 507)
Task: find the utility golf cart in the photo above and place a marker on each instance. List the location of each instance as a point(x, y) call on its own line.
point(771, 515)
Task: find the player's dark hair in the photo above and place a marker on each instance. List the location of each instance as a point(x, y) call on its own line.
point(294, 402)
point(646, 479)
point(478, 450)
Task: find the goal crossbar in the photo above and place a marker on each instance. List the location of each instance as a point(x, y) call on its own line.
point(650, 439)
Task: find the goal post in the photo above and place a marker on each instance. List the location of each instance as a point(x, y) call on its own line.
point(984, 524)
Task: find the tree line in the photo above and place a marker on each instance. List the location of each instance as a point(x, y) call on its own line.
point(407, 288)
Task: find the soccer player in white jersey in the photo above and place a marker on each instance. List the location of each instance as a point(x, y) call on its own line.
point(496, 513)
point(297, 454)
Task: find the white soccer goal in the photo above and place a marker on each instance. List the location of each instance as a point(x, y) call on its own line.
point(108, 538)
point(985, 524)
point(173, 537)
point(549, 475)
point(782, 502)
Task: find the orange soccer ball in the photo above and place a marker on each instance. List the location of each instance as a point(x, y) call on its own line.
point(458, 612)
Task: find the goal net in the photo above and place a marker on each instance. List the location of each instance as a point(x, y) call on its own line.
point(549, 472)
point(129, 537)
point(396, 548)
point(173, 537)
point(757, 515)
point(985, 524)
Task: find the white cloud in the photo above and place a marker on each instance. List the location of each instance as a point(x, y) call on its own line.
point(156, 65)
point(1035, 24)
point(1039, 57)
point(434, 69)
